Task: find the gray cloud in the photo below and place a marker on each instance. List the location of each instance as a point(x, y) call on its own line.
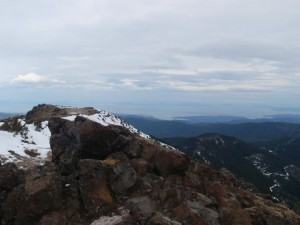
point(151, 51)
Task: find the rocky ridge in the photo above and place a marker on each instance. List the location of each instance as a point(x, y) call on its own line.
point(25, 140)
point(107, 175)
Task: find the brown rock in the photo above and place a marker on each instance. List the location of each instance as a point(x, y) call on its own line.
point(10, 177)
point(54, 218)
point(141, 166)
point(170, 162)
point(196, 213)
point(122, 178)
point(32, 152)
point(45, 112)
point(65, 145)
point(235, 216)
point(97, 141)
point(159, 219)
point(41, 194)
point(84, 139)
point(93, 185)
point(141, 207)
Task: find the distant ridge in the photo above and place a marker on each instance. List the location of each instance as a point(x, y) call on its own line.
point(6, 115)
point(283, 118)
point(248, 131)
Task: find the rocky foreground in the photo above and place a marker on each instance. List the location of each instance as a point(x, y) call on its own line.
point(108, 175)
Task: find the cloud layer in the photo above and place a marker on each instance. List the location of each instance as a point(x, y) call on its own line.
point(205, 56)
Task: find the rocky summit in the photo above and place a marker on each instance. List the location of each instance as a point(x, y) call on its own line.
point(107, 174)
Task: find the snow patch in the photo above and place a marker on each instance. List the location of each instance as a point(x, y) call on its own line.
point(13, 146)
point(106, 119)
point(105, 220)
point(274, 186)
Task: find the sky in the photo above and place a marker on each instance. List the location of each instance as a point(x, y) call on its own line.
point(155, 57)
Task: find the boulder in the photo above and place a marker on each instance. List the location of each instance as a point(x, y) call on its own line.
point(160, 219)
point(10, 177)
point(170, 162)
point(65, 145)
point(141, 207)
point(97, 141)
point(122, 178)
point(165, 161)
point(54, 218)
point(84, 139)
point(94, 188)
point(141, 166)
point(196, 213)
point(115, 220)
point(41, 194)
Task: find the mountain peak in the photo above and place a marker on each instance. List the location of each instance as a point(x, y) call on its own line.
point(25, 140)
point(107, 175)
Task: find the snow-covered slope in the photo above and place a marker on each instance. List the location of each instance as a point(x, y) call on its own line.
point(106, 119)
point(32, 140)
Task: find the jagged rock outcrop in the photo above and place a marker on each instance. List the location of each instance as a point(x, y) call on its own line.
point(25, 140)
point(106, 175)
point(85, 139)
point(45, 112)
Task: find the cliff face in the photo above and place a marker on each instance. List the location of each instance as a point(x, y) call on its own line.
point(107, 175)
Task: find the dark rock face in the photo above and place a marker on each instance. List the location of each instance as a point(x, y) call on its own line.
point(97, 141)
point(45, 112)
point(94, 186)
point(106, 175)
point(83, 139)
point(169, 162)
point(142, 206)
point(122, 178)
point(65, 145)
point(10, 177)
point(40, 194)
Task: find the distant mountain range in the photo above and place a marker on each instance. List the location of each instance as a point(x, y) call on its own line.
point(272, 167)
point(247, 131)
point(284, 118)
point(5, 115)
